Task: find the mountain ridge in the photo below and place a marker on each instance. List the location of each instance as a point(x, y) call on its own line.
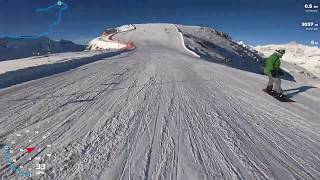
point(15, 48)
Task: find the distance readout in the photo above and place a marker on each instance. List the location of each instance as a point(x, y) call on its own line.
point(311, 8)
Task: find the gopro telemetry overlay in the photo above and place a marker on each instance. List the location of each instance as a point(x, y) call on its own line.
point(150, 90)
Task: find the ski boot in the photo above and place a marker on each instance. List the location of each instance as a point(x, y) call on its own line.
point(269, 89)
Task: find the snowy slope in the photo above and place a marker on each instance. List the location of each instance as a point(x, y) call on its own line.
point(159, 112)
point(301, 55)
point(17, 71)
point(16, 64)
point(105, 42)
point(13, 48)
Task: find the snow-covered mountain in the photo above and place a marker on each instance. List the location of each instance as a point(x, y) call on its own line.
point(14, 48)
point(307, 57)
point(216, 46)
point(247, 46)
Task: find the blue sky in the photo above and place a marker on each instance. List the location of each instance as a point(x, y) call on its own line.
point(254, 21)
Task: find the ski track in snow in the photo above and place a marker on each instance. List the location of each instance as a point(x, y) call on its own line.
point(159, 113)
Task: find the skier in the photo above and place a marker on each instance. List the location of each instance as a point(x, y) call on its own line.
point(273, 71)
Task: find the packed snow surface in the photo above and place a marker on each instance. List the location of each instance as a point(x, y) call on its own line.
point(159, 112)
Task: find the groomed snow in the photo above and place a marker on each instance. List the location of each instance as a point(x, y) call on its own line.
point(158, 112)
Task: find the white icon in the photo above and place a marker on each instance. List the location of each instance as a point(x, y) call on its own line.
point(49, 155)
point(12, 142)
point(27, 131)
point(30, 140)
point(21, 166)
point(18, 135)
point(49, 145)
point(36, 132)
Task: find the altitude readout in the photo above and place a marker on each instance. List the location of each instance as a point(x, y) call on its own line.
point(310, 25)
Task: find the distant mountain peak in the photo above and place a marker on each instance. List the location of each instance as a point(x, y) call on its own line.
point(14, 48)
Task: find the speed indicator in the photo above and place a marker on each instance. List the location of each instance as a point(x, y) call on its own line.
point(24, 154)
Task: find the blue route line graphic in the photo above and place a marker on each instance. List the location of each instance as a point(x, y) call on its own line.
point(11, 164)
point(62, 7)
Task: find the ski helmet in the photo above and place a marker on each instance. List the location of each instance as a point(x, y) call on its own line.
point(281, 51)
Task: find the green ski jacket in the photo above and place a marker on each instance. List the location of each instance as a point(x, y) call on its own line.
point(272, 64)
